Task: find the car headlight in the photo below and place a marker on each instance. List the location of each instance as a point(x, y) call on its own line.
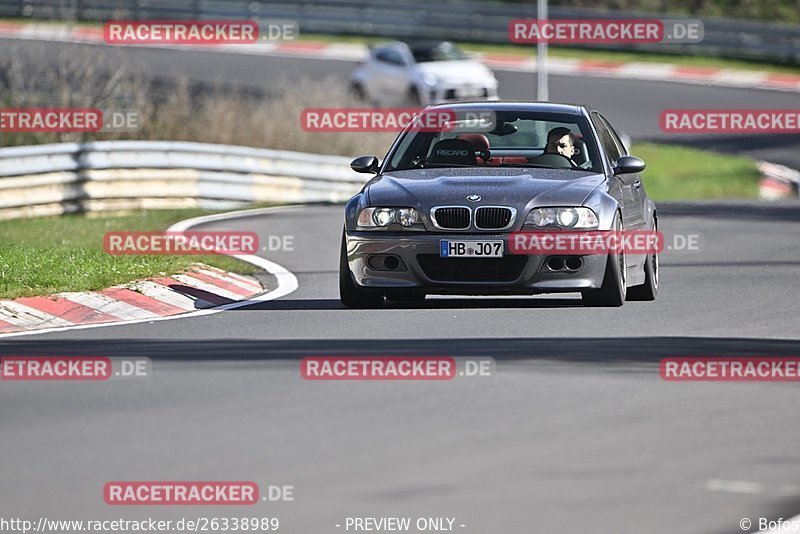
point(380, 217)
point(430, 79)
point(563, 217)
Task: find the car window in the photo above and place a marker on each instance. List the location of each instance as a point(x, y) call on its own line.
point(606, 139)
point(442, 52)
point(620, 145)
point(390, 56)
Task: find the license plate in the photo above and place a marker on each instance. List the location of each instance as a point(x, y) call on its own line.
point(470, 249)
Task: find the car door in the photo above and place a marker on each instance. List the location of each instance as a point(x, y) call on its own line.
point(632, 211)
point(638, 207)
point(389, 75)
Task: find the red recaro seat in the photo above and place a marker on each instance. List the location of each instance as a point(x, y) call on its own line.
point(479, 142)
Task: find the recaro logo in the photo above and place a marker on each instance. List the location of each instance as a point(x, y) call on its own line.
point(452, 153)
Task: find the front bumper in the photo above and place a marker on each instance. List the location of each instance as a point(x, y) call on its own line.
point(452, 93)
point(420, 267)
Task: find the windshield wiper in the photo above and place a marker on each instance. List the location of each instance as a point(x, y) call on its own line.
point(521, 165)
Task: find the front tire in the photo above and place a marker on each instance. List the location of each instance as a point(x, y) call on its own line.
point(649, 289)
point(414, 97)
point(614, 289)
point(358, 93)
point(350, 293)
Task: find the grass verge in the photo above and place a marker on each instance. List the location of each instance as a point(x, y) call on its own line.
point(52, 254)
point(680, 173)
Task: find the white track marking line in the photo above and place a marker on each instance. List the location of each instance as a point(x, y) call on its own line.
point(735, 486)
point(790, 490)
point(752, 488)
point(287, 282)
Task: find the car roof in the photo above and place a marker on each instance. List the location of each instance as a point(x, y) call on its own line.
point(505, 105)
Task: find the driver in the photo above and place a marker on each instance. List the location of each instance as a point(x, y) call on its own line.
point(561, 140)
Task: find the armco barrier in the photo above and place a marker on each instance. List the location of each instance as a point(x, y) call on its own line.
point(120, 175)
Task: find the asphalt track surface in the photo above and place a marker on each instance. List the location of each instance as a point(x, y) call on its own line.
point(574, 432)
point(574, 429)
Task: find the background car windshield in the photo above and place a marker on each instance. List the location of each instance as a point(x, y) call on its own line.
point(513, 140)
point(441, 52)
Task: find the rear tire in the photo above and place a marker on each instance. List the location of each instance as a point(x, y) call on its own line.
point(649, 289)
point(613, 291)
point(350, 293)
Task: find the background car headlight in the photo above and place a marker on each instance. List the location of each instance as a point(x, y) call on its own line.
point(379, 217)
point(563, 217)
point(430, 79)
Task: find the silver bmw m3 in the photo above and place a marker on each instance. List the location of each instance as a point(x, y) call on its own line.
point(458, 201)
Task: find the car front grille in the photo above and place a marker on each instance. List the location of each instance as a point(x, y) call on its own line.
point(493, 218)
point(453, 218)
point(506, 269)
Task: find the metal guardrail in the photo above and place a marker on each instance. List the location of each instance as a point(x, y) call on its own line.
point(120, 175)
point(467, 20)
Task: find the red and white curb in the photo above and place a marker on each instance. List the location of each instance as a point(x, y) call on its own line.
point(201, 290)
point(200, 287)
point(498, 61)
point(778, 181)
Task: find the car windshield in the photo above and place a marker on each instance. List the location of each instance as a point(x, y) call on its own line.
point(442, 52)
point(474, 138)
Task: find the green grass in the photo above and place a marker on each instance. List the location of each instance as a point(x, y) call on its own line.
point(47, 255)
point(679, 173)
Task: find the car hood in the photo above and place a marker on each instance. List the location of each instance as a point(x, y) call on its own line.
point(520, 188)
point(460, 71)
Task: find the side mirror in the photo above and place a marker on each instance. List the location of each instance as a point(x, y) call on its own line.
point(628, 165)
point(365, 164)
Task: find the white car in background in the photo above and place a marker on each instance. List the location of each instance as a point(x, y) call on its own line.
point(421, 74)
